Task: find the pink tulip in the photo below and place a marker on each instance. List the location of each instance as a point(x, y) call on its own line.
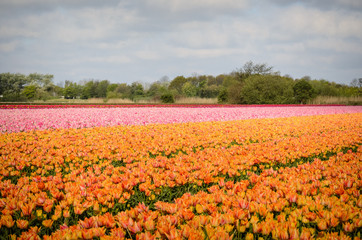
point(15, 120)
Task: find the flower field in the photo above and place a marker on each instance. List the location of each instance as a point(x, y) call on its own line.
point(182, 173)
point(18, 118)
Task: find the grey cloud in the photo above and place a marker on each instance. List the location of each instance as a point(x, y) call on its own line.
point(354, 5)
point(131, 40)
point(301, 21)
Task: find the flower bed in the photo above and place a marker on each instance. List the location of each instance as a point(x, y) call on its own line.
point(37, 106)
point(15, 120)
point(282, 178)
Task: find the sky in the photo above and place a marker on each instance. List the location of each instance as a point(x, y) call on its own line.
point(126, 41)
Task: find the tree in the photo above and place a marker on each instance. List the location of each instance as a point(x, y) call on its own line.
point(29, 91)
point(251, 68)
point(136, 90)
point(45, 87)
point(124, 90)
point(177, 83)
point(356, 87)
point(323, 87)
point(357, 83)
point(189, 90)
point(41, 80)
point(11, 85)
point(303, 91)
point(167, 98)
point(210, 91)
point(159, 88)
point(101, 89)
point(231, 89)
point(267, 89)
point(71, 90)
point(223, 96)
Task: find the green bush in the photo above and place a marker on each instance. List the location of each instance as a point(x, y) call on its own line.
point(223, 96)
point(303, 91)
point(267, 89)
point(167, 98)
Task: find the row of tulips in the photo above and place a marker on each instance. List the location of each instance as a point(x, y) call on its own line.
point(41, 106)
point(319, 200)
point(66, 179)
point(30, 106)
point(16, 120)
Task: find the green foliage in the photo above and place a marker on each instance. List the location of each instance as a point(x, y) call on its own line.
point(95, 89)
point(11, 85)
point(267, 89)
point(124, 90)
point(136, 90)
point(223, 96)
point(101, 89)
point(112, 87)
point(177, 83)
point(251, 68)
point(234, 93)
point(167, 98)
point(44, 81)
point(303, 91)
point(209, 91)
point(159, 88)
point(19, 87)
point(71, 90)
point(252, 83)
point(29, 91)
point(324, 88)
point(231, 89)
point(189, 90)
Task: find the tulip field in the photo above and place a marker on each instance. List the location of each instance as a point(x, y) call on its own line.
point(201, 172)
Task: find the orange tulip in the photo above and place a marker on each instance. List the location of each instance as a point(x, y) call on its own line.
point(47, 223)
point(118, 232)
point(173, 234)
point(187, 214)
point(305, 234)
point(266, 228)
point(22, 224)
point(27, 209)
point(322, 224)
point(149, 225)
point(348, 227)
point(249, 236)
point(293, 233)
point(87, 233)
point(135, 228)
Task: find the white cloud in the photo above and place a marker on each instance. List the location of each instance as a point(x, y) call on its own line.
point(109, 59)
point(148, 55)
point(335, 45)
point(302, 21)
point(93, 24)
point(8, 46)
point(350, 5)
point(205, 5)
point(111, 45)
point(72, 25)
point(205, 53)
point(161, 37)
point(14, 30)
point(200, 35)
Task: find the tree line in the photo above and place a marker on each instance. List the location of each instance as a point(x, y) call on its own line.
point(251, 84)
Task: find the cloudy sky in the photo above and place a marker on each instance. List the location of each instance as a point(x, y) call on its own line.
point(144, 40)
